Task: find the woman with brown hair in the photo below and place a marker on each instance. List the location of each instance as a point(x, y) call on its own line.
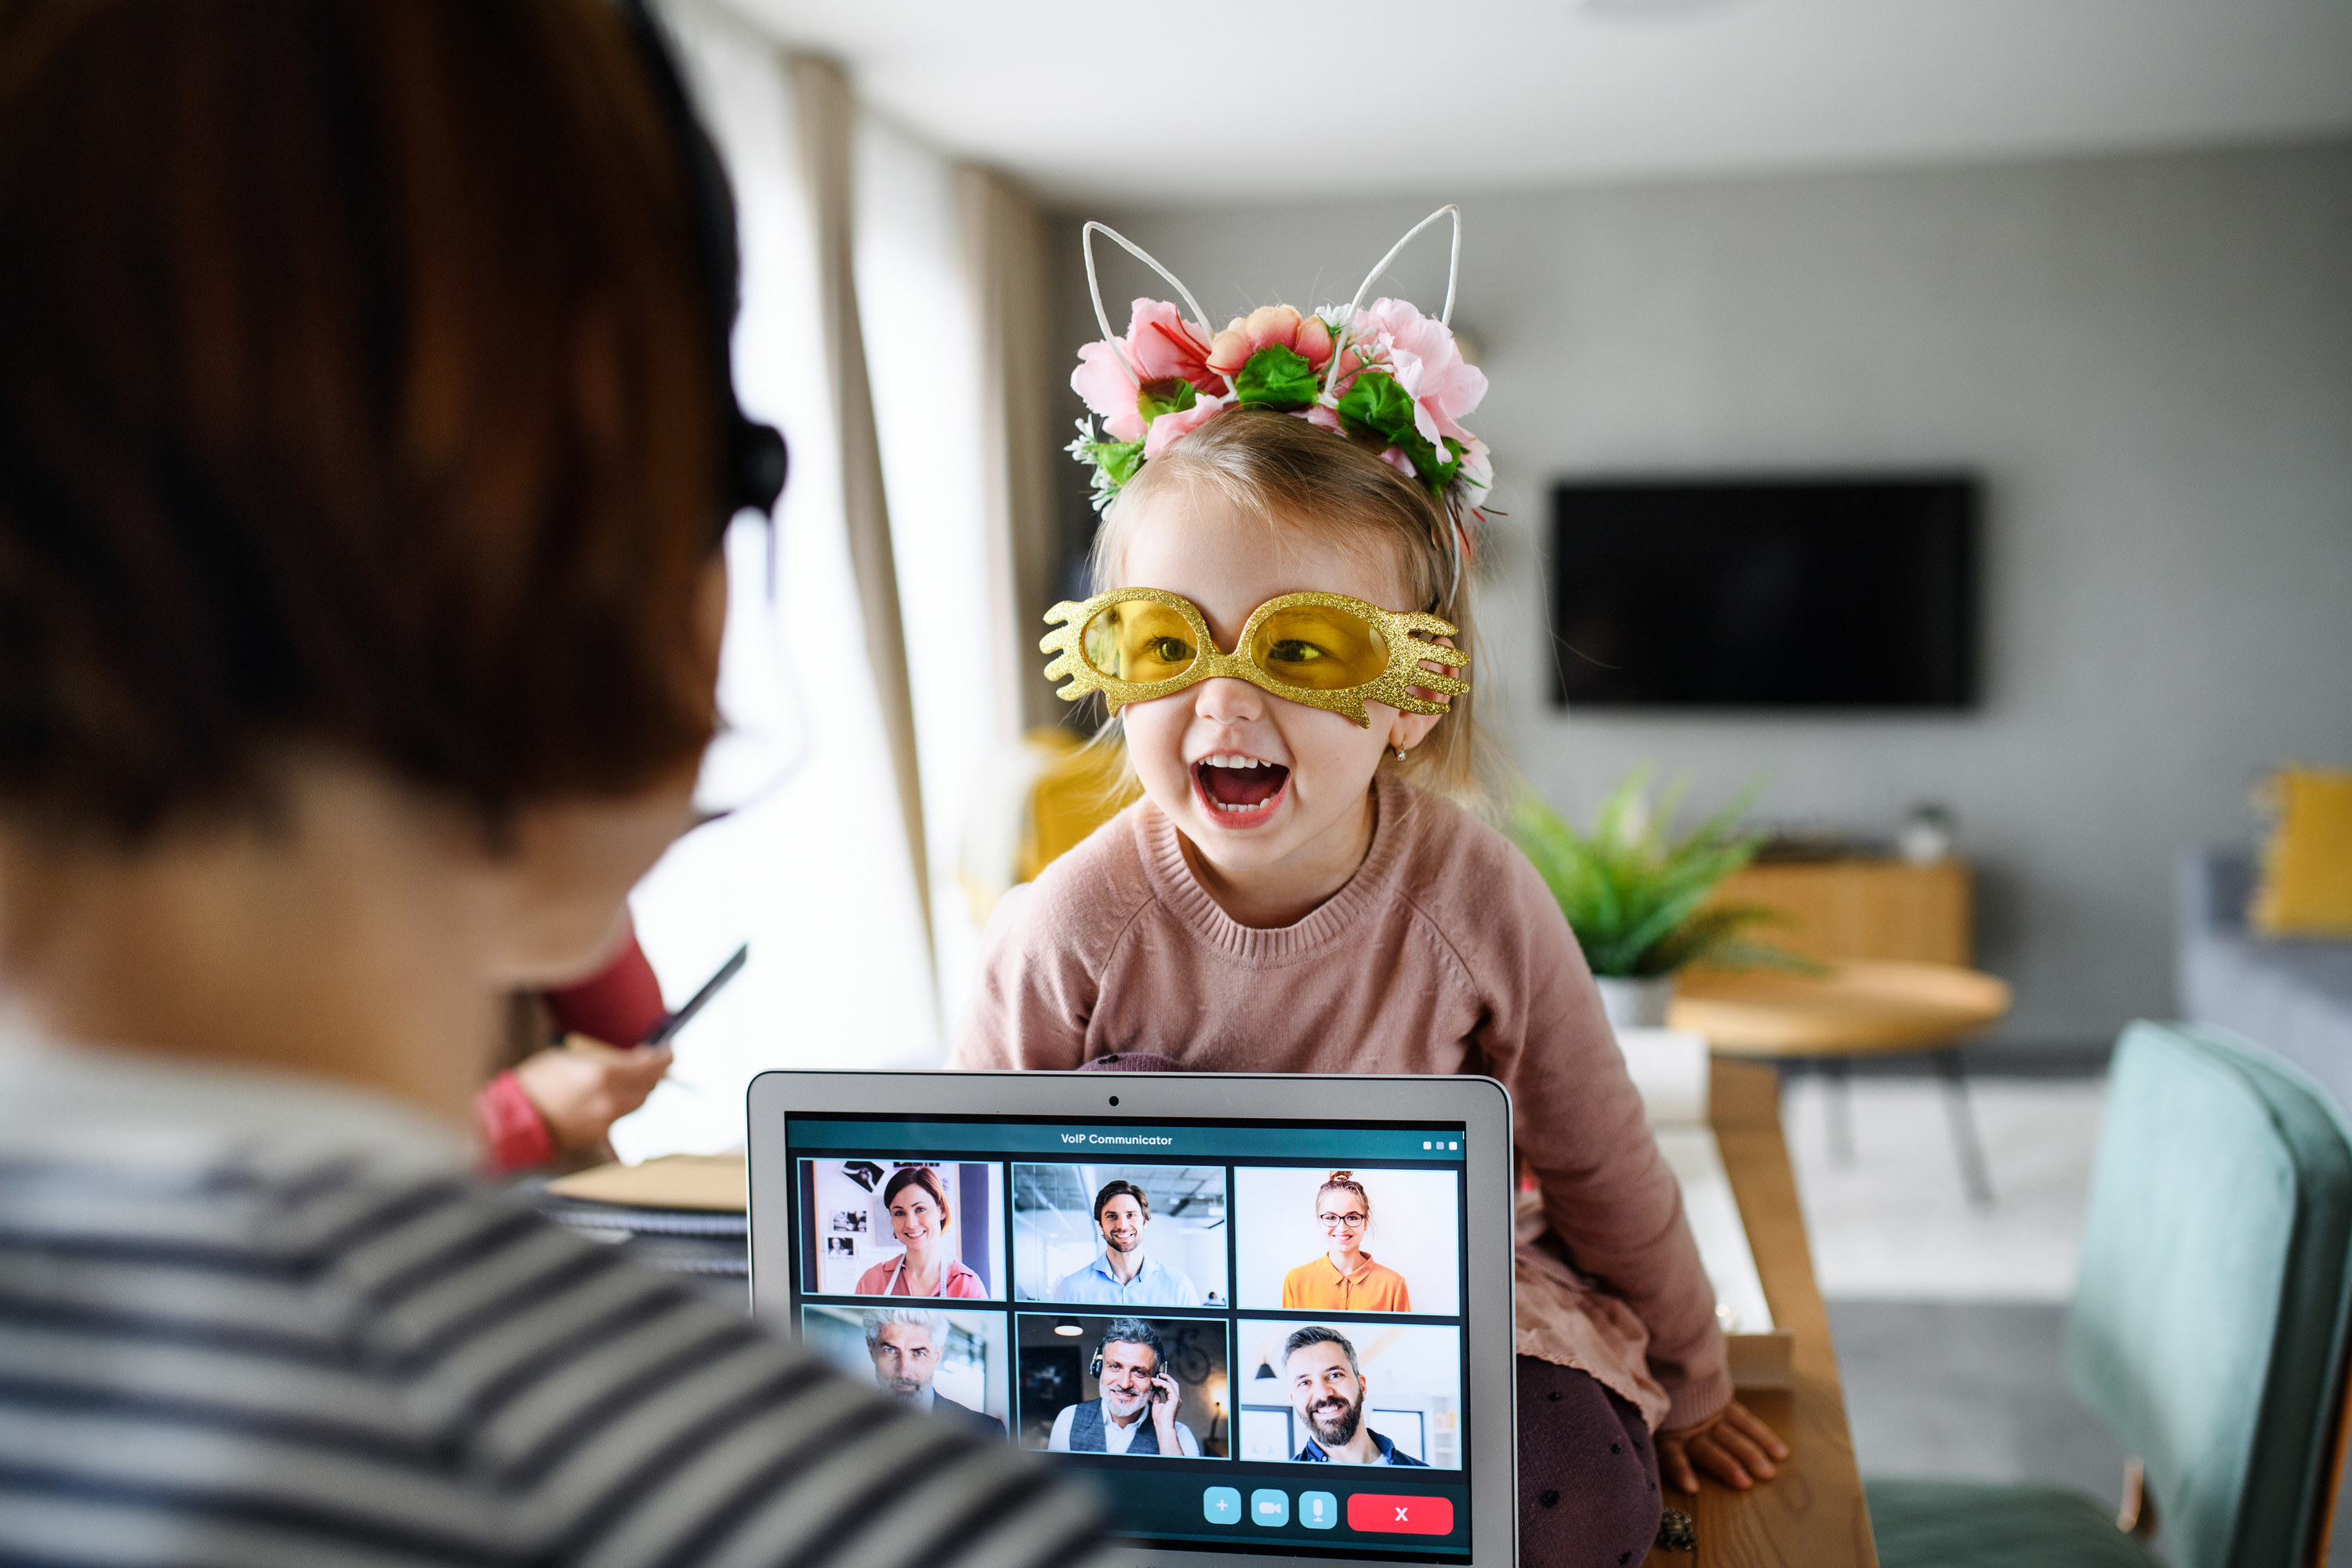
point(920, 1216)
point(366, 437)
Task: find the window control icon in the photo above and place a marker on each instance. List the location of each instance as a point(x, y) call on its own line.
point(1269, 1507)
point(1319, 1510)
point(1222, 1505)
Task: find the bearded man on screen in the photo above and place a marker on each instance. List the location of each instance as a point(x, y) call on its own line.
point(1327, 1394)
point(1136, 1413)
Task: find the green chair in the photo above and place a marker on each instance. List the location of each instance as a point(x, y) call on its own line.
point(2207, 1334)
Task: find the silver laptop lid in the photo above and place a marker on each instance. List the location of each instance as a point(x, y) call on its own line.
point(1270, 1316)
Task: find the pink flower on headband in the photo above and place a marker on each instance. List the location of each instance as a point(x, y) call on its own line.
point(1426, 361)
point(1158, 343)
point(1183, 422)
point(1271, 326)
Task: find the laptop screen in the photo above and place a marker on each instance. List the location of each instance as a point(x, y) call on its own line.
point(1249, 1333)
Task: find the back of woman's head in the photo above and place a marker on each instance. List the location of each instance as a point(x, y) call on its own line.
point(1300, 478)
point(357, 393)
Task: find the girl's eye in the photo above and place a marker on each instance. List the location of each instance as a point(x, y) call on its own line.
point(1290, 650)
point(1168, 650)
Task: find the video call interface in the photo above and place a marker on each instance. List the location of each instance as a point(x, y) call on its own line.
point(1249, 1333)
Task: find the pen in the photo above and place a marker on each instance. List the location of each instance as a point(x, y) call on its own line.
point(673, 1022)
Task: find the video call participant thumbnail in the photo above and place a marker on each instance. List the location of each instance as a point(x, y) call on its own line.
point(919, 1214)
point(1136, 1412)
point(1121, 1275)
point(1345, 1278)
point(1327, 1394)
point(908, 1344)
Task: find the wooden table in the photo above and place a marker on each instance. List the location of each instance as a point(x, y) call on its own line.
point(1812, 1515)
point(1856, 1009)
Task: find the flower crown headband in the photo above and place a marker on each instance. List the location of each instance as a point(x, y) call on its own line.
point(1382, 373)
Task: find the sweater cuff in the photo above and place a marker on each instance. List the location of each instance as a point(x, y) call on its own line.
point(514, 1135)
point(1696, 1402)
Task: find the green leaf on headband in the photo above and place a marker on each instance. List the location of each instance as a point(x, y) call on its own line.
point(1163, 395)
point(1118, 459)
point(1277, 377)
point(1374, 405)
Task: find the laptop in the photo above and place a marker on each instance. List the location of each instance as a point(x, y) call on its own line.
point(1270, 1317)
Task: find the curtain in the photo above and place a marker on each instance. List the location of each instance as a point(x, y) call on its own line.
point(1005, 266)
point(814, 869)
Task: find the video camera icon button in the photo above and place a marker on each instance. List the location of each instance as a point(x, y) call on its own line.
point(1222, 1505)
point(1270, 1508)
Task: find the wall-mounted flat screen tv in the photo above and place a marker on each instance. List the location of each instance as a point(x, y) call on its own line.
point(1765, 593)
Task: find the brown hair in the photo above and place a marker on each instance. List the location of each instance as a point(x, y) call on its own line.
point(921, 1176)
point(1122, 1189)
point(356, 390)
point(1345, 1180)
point(1293, 474)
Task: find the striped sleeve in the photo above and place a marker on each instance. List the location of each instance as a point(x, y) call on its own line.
point(326, 1368)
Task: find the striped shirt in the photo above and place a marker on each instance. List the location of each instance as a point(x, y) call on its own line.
point(247, 1321)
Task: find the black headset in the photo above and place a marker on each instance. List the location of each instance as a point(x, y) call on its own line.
point(753, 453)
point(1094, 1367)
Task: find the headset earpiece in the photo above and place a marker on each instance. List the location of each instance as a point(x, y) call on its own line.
point(1094, 1367)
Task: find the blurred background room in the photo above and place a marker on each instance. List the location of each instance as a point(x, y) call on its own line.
point(2077, 272)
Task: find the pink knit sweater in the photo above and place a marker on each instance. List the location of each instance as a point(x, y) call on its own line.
point(1445, 953)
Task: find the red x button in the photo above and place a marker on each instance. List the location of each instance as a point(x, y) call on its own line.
point(1400, 1515)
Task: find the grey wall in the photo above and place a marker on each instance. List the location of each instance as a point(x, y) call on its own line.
point(2150, 359)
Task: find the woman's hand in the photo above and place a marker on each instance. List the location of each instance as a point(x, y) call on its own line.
point(583, 1086)
point(1733, 1446)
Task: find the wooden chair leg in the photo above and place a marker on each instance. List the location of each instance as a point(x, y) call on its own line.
point(2333, 1486)
point(2136, 1517)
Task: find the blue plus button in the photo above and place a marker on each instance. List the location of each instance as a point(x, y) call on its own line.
point(1319, 1510)
point(1269, 1507)
point(1222, 1505)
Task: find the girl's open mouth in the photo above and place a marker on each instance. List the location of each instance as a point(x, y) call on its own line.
point(1238, 790)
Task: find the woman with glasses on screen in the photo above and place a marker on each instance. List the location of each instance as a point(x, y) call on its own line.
point(1345, 1278)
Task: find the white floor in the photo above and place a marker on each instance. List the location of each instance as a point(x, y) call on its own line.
point(1894, 1224)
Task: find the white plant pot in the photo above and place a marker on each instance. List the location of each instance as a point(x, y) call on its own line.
point(1633, 1003)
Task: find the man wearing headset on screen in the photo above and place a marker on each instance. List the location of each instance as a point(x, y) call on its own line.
point(1130, 1364)
point(908, 1344)
point(1120, 1275)
point(1327, 1394)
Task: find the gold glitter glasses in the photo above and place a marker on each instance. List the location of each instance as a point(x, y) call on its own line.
point(1326, 650)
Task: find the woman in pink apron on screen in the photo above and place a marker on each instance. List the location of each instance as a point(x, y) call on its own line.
point(920, 1216)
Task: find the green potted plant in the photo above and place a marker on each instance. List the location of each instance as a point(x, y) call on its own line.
point(1635, 895)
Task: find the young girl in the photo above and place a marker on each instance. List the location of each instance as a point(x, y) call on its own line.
point(1297, 890)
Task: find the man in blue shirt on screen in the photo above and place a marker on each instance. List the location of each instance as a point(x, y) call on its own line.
point(1326, 1392)
point(1120, 1275)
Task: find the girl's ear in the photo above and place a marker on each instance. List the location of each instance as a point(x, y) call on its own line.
point(1407, 730)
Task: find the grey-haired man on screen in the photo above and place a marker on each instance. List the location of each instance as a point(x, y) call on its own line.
point(1137, 1412)
point(908, 1344)
point(1327, 1392)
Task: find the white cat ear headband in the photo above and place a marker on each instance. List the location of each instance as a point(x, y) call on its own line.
point(1382, 373)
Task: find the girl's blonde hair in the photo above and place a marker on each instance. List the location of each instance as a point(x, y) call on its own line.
point(1292, 476)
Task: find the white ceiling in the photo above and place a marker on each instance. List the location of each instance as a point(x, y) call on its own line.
point(1151, 102)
